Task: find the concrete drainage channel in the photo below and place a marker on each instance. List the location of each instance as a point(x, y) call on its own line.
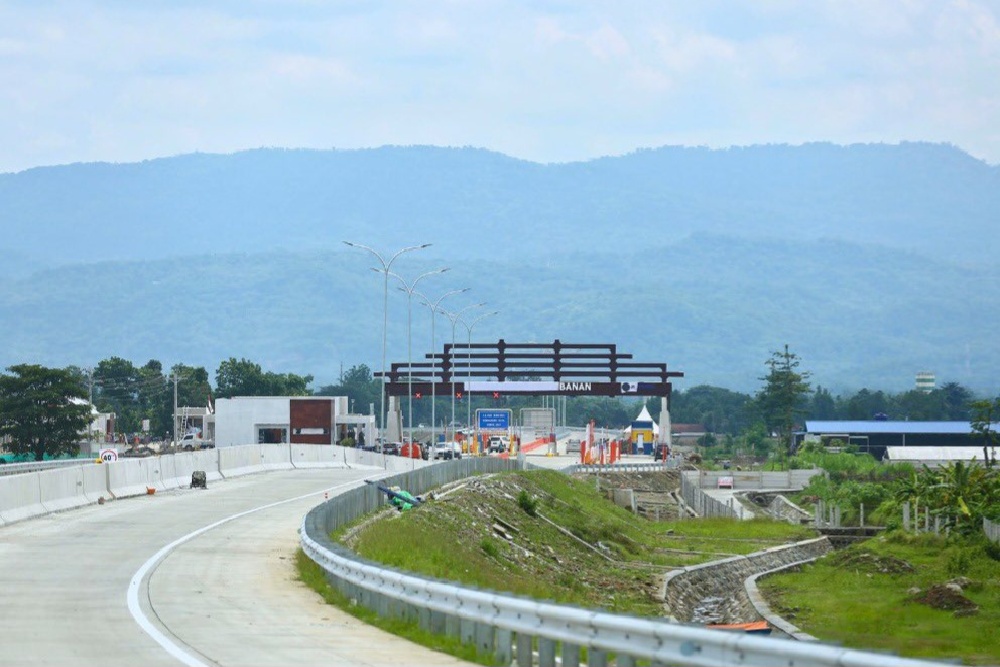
point(527, 632)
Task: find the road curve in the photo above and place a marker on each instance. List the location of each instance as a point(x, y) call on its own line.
point(223, 596)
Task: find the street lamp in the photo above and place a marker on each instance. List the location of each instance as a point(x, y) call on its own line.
point(434, 311)
point(469, 328)
point(453, 318)
point(410, 289)
point(385, 309)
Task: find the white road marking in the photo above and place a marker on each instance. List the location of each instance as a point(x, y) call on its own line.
point(134, 586)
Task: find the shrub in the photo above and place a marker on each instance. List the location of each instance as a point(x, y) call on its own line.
point(527, 503)
point(489, 548)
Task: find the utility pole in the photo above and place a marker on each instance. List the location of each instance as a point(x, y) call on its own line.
point(176, 380)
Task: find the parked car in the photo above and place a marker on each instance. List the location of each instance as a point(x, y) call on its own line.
point(573, 446)
point(661, 451)
point(392, 448)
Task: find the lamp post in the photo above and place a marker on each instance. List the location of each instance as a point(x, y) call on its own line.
point(453, 317)
point(434, 310)
point(385, 309)
point(469, 328)
point(410, 289)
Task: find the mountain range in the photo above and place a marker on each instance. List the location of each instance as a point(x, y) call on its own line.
point(873, 261)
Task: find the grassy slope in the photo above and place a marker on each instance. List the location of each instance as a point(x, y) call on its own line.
point(453, 538)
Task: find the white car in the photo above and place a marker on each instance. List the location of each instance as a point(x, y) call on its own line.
point(446, 450)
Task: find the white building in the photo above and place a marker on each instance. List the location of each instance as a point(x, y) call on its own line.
point(317, 420)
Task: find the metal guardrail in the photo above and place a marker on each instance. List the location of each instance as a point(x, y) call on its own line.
point(35, 466)
point(532, 631)
point(605, 469)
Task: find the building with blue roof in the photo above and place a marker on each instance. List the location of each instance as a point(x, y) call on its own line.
point(875, 436)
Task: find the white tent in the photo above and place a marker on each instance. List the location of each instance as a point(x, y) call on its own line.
point(644, 416)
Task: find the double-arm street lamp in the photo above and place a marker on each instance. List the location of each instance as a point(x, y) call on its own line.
point(454, 317)
point(385, 309)
point(410, 289)
point(469, 328)
point(434, 311)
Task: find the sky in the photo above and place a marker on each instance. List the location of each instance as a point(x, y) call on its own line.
point(541, 80)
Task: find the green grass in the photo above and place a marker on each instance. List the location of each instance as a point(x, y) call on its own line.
point(453, 539)
point(861, 607)
point(312, 576)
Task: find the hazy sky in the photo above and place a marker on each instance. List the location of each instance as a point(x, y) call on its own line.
point(550, 81)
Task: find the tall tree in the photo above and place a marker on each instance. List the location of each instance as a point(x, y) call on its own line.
point(783, 397)
point(361, 389)
point(246, 378)
point(983, 415)
point(43, 410)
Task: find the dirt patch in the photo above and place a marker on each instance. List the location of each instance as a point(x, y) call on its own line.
point(653, 490)
point(947, 598)
point(870, 563)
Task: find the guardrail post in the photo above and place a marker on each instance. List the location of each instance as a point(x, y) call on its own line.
point(546, 652)
point(452, 626)
point(624, 661)
point(596, 657)
point(523, 650)
point(505, 647)
point(437, 622)
point(466, 631)
point(570, 655)
point(484, 639)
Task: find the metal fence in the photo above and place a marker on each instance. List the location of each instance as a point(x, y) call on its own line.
point(530, 631)
point(992, 530)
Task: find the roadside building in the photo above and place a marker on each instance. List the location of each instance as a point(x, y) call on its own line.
point(316, 420)
point(875, 437)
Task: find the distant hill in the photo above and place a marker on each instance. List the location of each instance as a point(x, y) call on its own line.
point(472, 203)
point(712, 306)
point(873, 262)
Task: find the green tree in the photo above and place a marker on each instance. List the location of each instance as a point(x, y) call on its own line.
point(362, 390)
point(43, 410)
point(246, 378)
point(784, 394)
point(983, 415)
point(822, 406)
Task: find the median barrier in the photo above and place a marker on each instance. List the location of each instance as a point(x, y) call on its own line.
point(184, 465)
point(168, 478)
point(133, 477)
point(95, 482)
point(276, 457)
point(61, 489)
point(207, 460)
point(315, 456)
point(240, 460)
point(20, 497)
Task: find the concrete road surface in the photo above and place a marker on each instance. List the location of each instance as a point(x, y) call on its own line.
point(226, 595)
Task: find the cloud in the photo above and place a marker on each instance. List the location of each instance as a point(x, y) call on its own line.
point(548, 81)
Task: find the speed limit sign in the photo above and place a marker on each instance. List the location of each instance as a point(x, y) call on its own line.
point(109, 455)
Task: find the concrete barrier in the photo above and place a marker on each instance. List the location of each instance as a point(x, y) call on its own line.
point(184, 465)
point(240, 460)
point(132, 477)
point(95, 482)
point(317, 456)
point(20, 497)
point(61, 489)
point(207, 460)
point(276, 457)
point(168, 473)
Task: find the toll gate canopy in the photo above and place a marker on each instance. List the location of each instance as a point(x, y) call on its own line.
point(536, 369)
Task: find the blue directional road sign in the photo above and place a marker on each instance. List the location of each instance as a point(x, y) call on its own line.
point(493, 420)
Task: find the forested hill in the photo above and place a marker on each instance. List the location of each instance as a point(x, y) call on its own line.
point(475, 204)
point(712, 306)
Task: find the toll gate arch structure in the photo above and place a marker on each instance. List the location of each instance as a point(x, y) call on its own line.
point(556, 369)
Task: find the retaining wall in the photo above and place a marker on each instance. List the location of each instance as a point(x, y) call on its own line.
point(686, 590)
